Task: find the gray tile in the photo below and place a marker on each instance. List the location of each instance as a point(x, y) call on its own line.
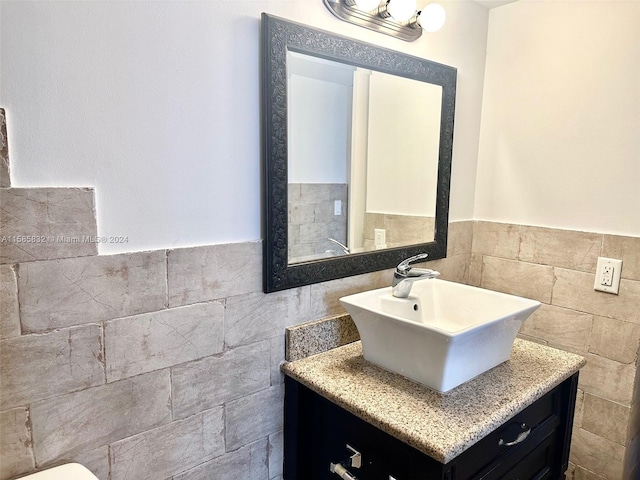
point(608, 379)
point(5, 179)
point(101, 415)
point(16, 454)
point(253, 417)
point(454, 268)
point(97, 461)
point(212, 381)
point(294, 235)
point(201, 274)
point(579, 409)
point(532, 339)
point(371, 222)
point(35, 367)
point(258, 316)
point(294, 192)
point(518, 278)
point(404, 230)
point(475, 270)
point(9, 312)
point(325, 211)
point(583, 474)
point(302, 253)
point(73, 291)
point(597, 454)
point(47, 223)
point(153, 341)
point(169, 449)
point(560, 326)
point(315, 192)
point(315, 232)
point(615, 339)
point(606, 419)
point(302, 214)
point(246, 463)
point(325, 296)
point(338, 229)
point(276, 454)
point(460, 238)
point(560, 248)
point(628, 250)
point(496, 239)
point(575, 290)
point(277, 357)
point(339, 190)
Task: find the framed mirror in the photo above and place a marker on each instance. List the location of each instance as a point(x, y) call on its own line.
point(356, 154)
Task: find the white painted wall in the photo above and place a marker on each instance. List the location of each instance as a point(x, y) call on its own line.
point(319, 98)
point(560, 142)
point(319, 114)
point(156, 104)
point(404, 141)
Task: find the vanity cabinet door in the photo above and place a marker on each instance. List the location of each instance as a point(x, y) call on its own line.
point(317, 433)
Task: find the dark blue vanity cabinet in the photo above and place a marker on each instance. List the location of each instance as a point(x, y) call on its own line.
point(318, 431)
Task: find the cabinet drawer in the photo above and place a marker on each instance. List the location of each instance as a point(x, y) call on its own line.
point(535, 465)
point(533, 424)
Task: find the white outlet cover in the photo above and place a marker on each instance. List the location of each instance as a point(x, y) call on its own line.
point(337, 207)
point(380, 238)
point(615, 280)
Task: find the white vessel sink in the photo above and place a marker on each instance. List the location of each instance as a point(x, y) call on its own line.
point(443, 334)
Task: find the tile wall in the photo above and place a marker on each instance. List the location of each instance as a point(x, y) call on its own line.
point(557, 267)
point(313, 220)
point(164, 364)
point(400, 230)
point(150, 365)
point(147, 365)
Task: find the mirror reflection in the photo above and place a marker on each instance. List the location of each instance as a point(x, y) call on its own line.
point(363, 150)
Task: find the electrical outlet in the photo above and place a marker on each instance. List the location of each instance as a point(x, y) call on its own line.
point(608, 275)
point(337, 207)
point(380, 238)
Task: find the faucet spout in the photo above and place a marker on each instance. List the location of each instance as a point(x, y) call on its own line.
point(405, 275)
point(342, 246)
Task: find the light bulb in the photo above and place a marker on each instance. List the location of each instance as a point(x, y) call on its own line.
point(401, 10)
point(366, 5)
point(432, 17)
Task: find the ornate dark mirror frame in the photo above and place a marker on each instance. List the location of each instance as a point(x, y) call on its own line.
point(278, 37)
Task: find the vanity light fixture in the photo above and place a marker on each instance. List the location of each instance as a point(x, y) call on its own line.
point(398, 18)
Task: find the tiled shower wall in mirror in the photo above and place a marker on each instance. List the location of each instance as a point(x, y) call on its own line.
point(317, 213)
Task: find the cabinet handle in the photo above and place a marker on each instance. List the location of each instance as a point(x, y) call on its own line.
point(342, 472)
point(521, 438)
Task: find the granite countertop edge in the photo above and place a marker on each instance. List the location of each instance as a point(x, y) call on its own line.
point(366, 399)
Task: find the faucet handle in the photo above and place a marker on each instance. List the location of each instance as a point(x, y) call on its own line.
point(405, 265)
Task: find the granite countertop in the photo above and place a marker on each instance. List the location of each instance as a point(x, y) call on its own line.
point(441, 425)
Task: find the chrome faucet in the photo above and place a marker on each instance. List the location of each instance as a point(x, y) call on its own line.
point(405, 275)
point(342, 246)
